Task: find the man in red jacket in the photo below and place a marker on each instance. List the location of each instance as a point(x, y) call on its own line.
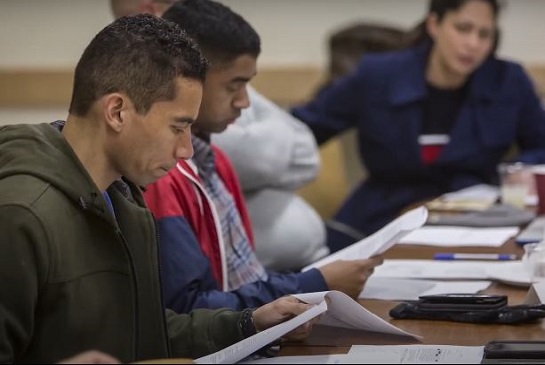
point(205, 232)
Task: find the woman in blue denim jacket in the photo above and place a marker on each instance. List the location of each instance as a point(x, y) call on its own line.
point(436, 117)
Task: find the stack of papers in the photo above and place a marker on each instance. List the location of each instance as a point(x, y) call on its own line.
point(404, 289)
point(396, 354)
point(508, 272)
point(448, 236)
point(478, 197)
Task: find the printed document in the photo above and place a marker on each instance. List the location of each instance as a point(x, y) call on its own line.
point(419, 354)
point(508, 272)
point(389, 354)
point(379, 241)
point(304, 359)
point(448, 236)
point(411, 289)
point(477, 197)
point(244, 348)
point(342, 311)
point(345, 312)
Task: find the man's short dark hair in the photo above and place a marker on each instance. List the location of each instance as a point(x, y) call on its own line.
point(222, 34)
point(140, 56)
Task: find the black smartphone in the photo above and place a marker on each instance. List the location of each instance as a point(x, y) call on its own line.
point(461, 302)
point(514, 350)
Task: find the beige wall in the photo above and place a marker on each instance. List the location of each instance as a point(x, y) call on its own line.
point(52, 33)
point(41, 41)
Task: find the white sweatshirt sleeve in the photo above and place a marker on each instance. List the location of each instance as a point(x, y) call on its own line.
point(269, 147)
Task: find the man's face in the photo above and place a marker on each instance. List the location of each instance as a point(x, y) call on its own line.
point(151, 144)
point(225, 94)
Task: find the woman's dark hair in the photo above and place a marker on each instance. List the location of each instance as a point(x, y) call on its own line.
point(440, 8)
point(348, 44)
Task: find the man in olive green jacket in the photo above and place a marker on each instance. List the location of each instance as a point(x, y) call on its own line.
point(78, 249)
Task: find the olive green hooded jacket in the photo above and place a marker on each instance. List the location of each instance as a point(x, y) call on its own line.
point(73, 277)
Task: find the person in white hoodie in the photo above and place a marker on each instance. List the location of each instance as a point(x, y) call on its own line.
point(275, 154)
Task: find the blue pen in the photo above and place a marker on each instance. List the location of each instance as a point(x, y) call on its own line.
point(475, 256)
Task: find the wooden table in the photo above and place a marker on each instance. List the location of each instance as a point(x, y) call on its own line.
point(331, 340)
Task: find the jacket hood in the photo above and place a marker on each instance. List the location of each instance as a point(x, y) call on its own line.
point(40, 150)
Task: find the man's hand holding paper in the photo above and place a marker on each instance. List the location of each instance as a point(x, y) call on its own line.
point(379, 241)
point(350, 276)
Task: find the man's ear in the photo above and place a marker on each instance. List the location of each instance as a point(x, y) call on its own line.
point(432, 22)
point(115, 108)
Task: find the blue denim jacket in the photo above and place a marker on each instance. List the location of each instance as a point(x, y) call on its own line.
point(383, 99)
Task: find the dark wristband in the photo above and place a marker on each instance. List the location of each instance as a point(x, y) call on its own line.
point(246, 323)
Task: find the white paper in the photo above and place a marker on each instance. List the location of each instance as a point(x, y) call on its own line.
point(481, 192)
point(531, 200)
point(389, 354)
point(345, 312)
point(304, 359)
point(379, 241)
point(411, 289)
point(448, 236)
point(244, 348)
point(342, 311)
point(474, 198)
point(536, 294)
point(508, 272)
point(418, 354)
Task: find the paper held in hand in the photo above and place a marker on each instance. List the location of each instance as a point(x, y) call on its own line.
point(379, 241)
point(342, 311)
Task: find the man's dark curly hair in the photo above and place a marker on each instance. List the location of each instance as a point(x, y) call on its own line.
point(140, 56)
point(222, 34)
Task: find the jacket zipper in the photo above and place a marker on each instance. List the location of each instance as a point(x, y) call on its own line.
point(160, 272)
point(135, 289)
point(134, 279)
